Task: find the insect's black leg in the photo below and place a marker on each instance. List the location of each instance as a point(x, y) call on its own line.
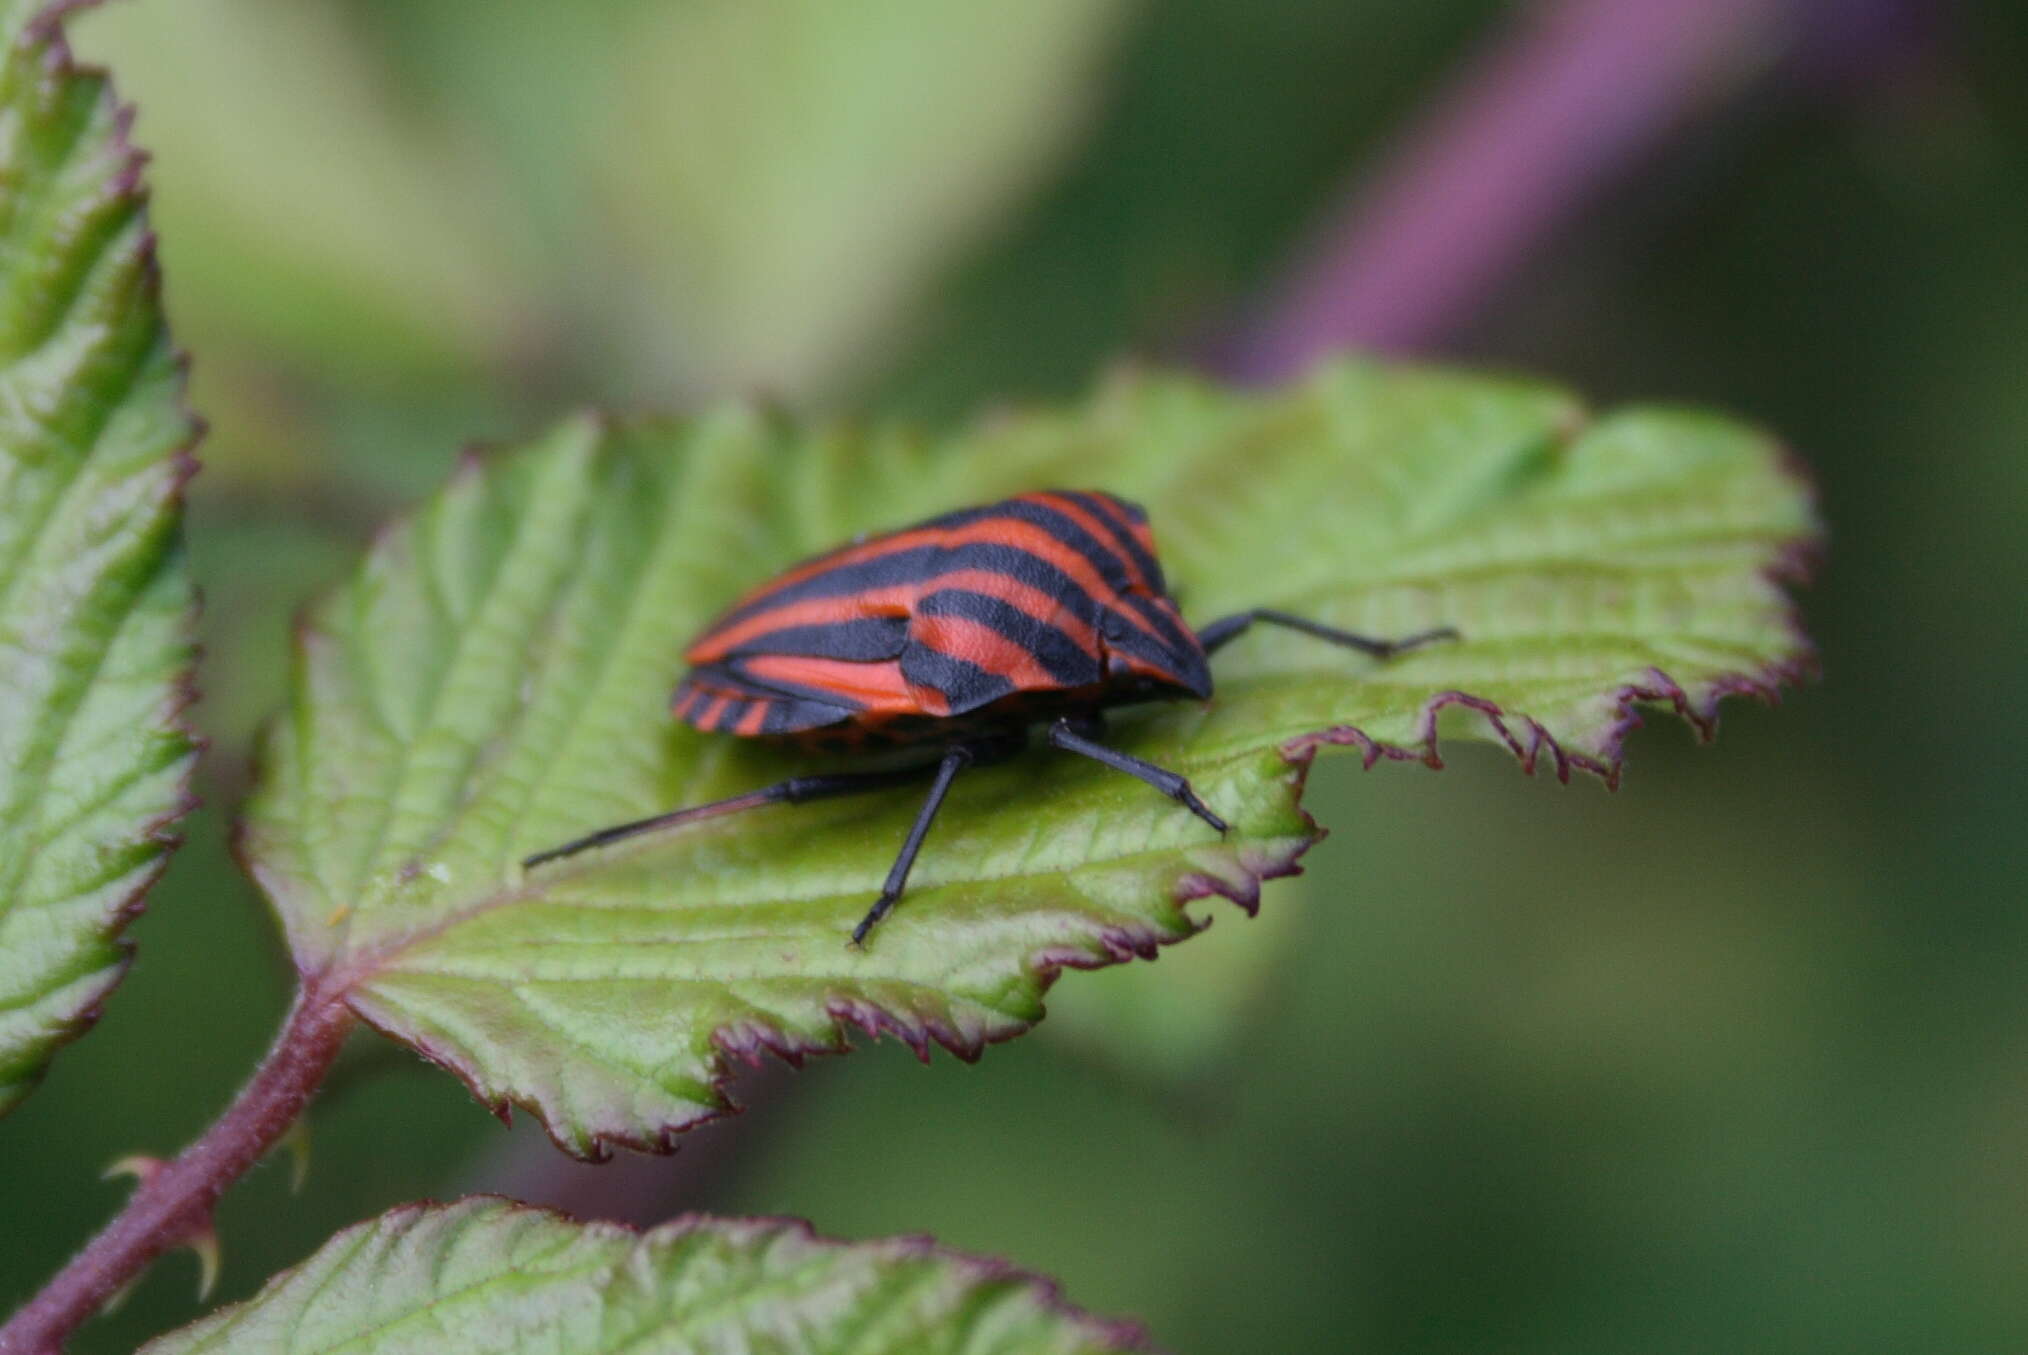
point(1229, 628)
point(795, 791)
point(956, 760)
point(1064, 734)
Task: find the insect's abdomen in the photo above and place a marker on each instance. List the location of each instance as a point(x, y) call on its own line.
point(1050, 593)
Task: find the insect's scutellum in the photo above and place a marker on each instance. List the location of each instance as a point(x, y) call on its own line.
point(957, 635)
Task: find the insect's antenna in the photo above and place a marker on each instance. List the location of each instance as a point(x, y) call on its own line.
point(753, 799)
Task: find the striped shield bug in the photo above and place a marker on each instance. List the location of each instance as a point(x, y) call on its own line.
point(958, 634)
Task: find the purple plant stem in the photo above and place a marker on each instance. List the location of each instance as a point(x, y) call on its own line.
point(1522, 139)
point(176, 1202)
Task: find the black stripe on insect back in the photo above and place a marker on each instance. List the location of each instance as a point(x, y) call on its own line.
point(786, 715)
point(1066, 661)
point(1144, 606)
point(965, 685)
point(865, 639)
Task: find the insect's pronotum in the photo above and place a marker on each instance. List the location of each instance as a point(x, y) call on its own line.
point(961, 633)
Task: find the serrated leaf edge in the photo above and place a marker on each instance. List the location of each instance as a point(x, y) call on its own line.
point(45, 29)
point(1794, 566)
point(1121, 1333)
point(750, 1043)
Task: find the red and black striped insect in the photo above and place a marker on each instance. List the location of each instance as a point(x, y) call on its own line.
point(961, 633)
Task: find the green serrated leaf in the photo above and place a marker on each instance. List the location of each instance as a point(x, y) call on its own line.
point(495, 680)
point(487, 1274)
point(95, 649)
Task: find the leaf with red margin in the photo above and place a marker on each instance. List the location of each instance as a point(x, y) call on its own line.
point(487, 1274)
point(95, 597)
point(494, 680)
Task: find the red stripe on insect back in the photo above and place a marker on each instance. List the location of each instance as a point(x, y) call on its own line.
point(721, 641)
point(1144, 534)
point(988, 648)
point(749, 724)
point(893, 600)
point(873, 686)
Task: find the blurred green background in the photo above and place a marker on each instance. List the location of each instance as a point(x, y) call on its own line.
point(1735, 1059)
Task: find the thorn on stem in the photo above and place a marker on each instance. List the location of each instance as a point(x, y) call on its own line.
point(296, 1141)
point(205, 1245)
point(201, 1239)
point(142, 1167)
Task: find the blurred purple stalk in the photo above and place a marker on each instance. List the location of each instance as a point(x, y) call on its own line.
point(1573, 94)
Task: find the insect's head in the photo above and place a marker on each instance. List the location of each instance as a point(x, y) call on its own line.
point(1142, 686)
point(1171, 667)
